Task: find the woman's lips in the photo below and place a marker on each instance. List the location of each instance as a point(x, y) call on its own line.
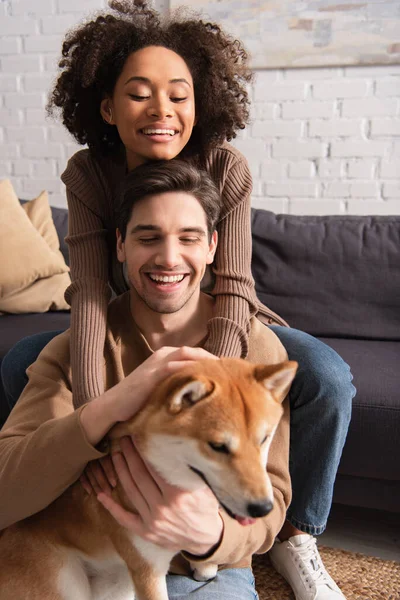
point(159, 134)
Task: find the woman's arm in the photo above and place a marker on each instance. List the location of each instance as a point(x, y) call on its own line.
point(234, 291)
point(88, 296)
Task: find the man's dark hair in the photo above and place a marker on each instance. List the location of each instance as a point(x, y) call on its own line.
point(94, 54)
point(160, 177)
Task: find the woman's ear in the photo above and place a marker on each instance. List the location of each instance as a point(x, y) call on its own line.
point(106, 111)
point(120, 247)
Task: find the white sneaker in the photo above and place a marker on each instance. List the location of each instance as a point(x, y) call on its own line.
point(300, 563)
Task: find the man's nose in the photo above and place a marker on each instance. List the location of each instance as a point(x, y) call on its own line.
point(168, 255)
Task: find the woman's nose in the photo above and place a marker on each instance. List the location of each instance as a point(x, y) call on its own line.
point(160, 108)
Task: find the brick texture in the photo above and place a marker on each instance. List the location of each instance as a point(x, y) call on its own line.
point(321, 141)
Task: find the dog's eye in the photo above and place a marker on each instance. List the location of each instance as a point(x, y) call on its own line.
point(219, 447)
point(264, 440)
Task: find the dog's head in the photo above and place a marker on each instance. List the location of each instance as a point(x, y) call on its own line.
point(213, 423)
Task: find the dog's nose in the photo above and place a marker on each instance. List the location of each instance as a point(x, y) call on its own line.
point(259, 509)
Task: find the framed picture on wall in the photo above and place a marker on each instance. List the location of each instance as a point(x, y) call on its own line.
point(313, 33)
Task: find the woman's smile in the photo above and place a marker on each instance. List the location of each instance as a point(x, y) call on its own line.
point(152, 105)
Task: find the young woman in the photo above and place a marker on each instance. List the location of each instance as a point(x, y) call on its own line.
point(135, 89)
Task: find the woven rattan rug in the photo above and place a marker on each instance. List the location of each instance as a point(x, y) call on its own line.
point(359, 577)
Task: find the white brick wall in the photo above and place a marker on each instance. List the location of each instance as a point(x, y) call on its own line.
point(321, 141)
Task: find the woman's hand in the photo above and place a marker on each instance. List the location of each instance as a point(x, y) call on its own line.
point(167, 516)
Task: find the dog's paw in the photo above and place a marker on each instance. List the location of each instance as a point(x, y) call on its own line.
point(204, 572)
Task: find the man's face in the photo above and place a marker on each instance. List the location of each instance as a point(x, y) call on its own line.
point(166, 250)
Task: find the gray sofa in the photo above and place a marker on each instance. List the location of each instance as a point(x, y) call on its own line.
point(338, 278)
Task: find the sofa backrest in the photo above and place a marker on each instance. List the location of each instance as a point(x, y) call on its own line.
point(60, 219)
point(334, 276)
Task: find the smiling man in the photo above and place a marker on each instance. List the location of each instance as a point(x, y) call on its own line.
point(166, 238)
point(166, 244)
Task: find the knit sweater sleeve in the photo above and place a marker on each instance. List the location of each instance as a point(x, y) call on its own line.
point(43, 447)
point(234, 290)
point(89, 292)
point(88, 296)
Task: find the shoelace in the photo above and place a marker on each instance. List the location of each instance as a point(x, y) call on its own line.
point(312, 562)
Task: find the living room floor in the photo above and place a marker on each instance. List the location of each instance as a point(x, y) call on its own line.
point(371, 532)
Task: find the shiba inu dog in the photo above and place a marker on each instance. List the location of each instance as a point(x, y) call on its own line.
point(212, 423)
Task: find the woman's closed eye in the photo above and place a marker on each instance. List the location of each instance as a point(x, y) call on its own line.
point(138, 98)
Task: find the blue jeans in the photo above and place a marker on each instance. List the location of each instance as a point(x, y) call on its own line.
point(229, 584)
point(320, 402)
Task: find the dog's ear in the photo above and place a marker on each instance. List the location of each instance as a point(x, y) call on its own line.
point(188, 394)
point(277, 379)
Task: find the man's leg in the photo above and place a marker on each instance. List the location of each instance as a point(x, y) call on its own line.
point(229, 584)
point(320, 402)
point(18, 359)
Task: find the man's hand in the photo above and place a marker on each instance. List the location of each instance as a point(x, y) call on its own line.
point(125, 399)
point(167, 516)
point(99, 476)
point(138, 385)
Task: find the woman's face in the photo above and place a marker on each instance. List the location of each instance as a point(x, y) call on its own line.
point(152, 105)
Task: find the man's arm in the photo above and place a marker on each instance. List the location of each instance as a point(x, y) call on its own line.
point(45, 444)
point(43, 447)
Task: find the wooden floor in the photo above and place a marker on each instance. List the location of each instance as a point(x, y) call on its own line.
point(371, 532)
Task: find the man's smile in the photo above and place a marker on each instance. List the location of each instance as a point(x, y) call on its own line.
point(166, 282)
point(166, 278)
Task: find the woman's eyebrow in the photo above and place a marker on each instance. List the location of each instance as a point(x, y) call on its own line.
point(137, 78)
point(180, 80)
point(147, 80)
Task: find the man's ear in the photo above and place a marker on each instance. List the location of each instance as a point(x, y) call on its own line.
point(212, 247)
point(120, 247)
point(106, 111)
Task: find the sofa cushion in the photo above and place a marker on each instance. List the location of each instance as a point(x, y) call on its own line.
point(372, 445)
point(26, 256)
point(45, 293)
point(335, 276)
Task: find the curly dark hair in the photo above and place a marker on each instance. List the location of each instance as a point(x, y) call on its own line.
point(94, 54)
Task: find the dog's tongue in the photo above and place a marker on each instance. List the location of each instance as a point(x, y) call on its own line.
point(245, 520)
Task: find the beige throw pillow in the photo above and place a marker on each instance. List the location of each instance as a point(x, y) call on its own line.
point(33, 273)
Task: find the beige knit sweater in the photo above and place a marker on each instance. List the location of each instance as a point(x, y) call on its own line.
point(92, 192)
point(43, 448)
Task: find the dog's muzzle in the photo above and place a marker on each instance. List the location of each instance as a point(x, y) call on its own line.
point(254, 509)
